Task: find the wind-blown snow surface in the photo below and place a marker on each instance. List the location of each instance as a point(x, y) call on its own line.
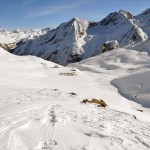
point(38, 111)
point(135, 86)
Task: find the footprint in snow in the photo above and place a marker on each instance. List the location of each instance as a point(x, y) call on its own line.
point(51, 116)
point(47, 144)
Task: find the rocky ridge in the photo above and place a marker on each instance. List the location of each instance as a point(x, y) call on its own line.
point(79, 39)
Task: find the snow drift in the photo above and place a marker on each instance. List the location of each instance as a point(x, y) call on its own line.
point(135, 87)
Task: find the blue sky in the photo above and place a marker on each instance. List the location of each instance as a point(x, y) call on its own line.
point(26, 14)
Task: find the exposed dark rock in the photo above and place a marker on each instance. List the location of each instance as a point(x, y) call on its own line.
point(109, 45)
point(101, 103)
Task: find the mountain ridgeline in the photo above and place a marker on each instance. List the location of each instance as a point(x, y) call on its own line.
point(79, 39)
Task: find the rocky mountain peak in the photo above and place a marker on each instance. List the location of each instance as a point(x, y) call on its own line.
point(79, 22)
point(146, 12)
point(78, 19)
point(78, 26)
point(126, 14)
point(108, 19)
point(115, 17)
point(17, 31)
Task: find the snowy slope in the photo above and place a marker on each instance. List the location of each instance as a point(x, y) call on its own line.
point(136, 87)
point(128, 70)
point(38, 111)
point(142, 46)
point(79, 39)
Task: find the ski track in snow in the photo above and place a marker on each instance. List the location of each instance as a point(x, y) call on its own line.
point(105, 128)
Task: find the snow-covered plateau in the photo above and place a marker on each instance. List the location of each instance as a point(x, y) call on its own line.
point(41, 102)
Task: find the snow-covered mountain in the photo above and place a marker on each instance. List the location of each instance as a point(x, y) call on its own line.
point(9, 39)
point(60, 45)
point(143, 21)
point(79, 39)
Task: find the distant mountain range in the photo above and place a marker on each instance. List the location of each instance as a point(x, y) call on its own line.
point(79, 39)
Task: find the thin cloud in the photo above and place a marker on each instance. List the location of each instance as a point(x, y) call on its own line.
point(55, 9)
point(27, 2)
